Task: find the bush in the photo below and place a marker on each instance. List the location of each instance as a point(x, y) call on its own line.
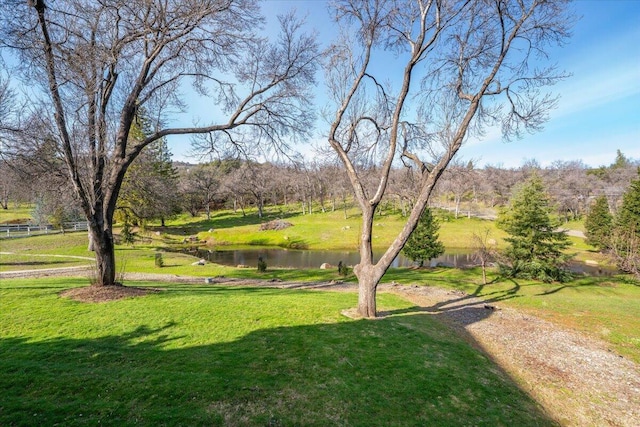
point(262, 265)
point(535, 270)
point(158, 260)
point(343, 270)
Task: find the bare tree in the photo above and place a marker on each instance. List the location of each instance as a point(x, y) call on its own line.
point(206, 180)
point(466, 63)
point(99, 62)
point(458, 182)
point(484, 250)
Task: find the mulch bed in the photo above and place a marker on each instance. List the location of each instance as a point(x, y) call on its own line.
point(106, 293)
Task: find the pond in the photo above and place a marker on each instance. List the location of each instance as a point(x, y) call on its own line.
point(290, 258)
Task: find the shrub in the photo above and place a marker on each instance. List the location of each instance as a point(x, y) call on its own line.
point(262, 265)
point(343, 270)
point(158, 260)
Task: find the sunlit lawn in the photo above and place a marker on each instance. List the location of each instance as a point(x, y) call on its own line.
point(208, 355)
point(608, 308)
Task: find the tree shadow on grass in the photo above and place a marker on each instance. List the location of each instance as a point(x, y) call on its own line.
point(401, 370)
point(466, 309)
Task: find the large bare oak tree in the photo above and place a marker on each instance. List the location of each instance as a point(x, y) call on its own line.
point(412, 80)
point(98, 62)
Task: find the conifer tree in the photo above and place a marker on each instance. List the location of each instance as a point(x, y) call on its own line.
point(626, 235)
point(629, 214)
point(599, 224)
point(150, 187)
point(423, 244)
point(535, 244)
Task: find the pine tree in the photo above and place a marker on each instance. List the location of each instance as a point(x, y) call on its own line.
point(626, 235)
point(599, 224)
point(423, 244)
point(150, 187)
point(535, 245)
point(629, 214)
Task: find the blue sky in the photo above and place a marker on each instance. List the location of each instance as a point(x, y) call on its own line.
point(599, 107)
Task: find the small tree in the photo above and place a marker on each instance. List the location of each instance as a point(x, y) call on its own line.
point(159, 261)
point(127, 235)
point(343, 270)
point(484, 250)
point(599, 224)
point(262, 265)
point(535, 244)
point(423, 244)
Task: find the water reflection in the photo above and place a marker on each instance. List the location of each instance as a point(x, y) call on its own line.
point(314, 259)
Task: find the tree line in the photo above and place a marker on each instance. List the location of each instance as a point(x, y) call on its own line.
point(156, 188)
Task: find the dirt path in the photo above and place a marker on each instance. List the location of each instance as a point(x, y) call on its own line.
point(576, 379)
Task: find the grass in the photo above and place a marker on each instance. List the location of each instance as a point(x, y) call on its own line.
point(21, 213)
point(330, 230)
point(208, 355)
point(607, 308)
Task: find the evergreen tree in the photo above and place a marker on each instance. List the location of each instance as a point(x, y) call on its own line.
point(599, 224)
point(423, 244)
point(628, 216)
point(626, 236)
point(535, 245)
point(150, 187)
point(621, 161)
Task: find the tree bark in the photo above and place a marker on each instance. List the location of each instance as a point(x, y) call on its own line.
point(105, 256)
point(367, 294)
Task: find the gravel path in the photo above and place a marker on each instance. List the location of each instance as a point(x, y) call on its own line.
point(576, 379)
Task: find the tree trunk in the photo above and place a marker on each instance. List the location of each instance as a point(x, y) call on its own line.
point(484, 273)
point(105, 257)
point(367, 294)
point(366, 272)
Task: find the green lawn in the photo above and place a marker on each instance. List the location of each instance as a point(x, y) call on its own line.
point(321, 231)
point(210, 355)
point(607, 308)
point(22, 213)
